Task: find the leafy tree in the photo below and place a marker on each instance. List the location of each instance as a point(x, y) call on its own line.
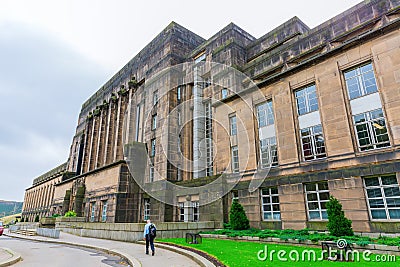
point(237, 217)
point(338, 224)
point(70, 213)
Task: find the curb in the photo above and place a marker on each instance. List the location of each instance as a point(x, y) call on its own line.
point(132, 261)
point(16, 257)
point(203, 262)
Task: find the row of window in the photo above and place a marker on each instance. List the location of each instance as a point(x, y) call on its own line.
point(103, 210)
point(382, 195)
point(368, 119)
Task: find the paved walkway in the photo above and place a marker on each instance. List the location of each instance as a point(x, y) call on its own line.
point(8, 257)
point(134, 252)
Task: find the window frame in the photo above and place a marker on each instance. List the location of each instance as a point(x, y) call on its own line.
point(196, 211)
point(233, 125)
point(271, 204)
point(267, 113)
point(361, 81)
point(235, 169)
point(181, 209)
point(317, 191)
point(92, 211)
point(313, 141)
point(264, 165)
point(146, 209)
point(104, 210)
point(307, 99)
point(384, 198)
point(153, 147)
point(155, 98)
point(224, 93)
point(370, 130)
point(154, 122)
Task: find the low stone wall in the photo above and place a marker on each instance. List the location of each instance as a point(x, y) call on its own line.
point(47, 232)
point(131, 232)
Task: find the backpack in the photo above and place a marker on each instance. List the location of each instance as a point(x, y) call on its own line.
point(152, 230)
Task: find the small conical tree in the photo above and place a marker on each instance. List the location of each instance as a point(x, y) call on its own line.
point(37, 218)
point(237, 217)
point(338, 224)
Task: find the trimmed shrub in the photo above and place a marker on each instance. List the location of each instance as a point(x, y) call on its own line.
point(338, 224)
point(237, 217)
point(70, 213)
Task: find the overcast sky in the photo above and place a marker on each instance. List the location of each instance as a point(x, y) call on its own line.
point(55, 54)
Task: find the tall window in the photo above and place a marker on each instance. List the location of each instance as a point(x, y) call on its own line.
point(154, 122)
point(153, 147)
point(313, 143)
point(383, 193)
point(232, 125)
point(181, 211)
point(196, 211)
point(104, 211)
point(265, 114)
point(270, 204)
point(360, 81)
point(179, 94)
point(306, 99)
point(155, 97)
point(268, 152)
point(151, 174)
point(235, 159)
point(317, 195)
point(93, 211)
point(371, 130)
point(146, 209)
point(224, 93)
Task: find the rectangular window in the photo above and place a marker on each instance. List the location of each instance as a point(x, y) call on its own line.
point(200, 58)
point(196, 209)
point(179, 94)
point(232, 125)
point(154, 122)
point(181, 211)
point(265, 114)
point(268, 152)
point(235, 195)
point(371, 130)
point(360, 81)
point(146, 209)
point(93, 211)
point(317, 195)
point(306, 100)
point(383, 194)
point(153, 148)
point(224, 93)
point(313, 143)
point(235, 159)
point(151, 174)
point(270, 204)
point(155, 97)
point(104, 211)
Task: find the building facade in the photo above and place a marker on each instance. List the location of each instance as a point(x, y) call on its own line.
point(324, 121)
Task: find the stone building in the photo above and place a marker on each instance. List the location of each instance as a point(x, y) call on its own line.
point(324, 121)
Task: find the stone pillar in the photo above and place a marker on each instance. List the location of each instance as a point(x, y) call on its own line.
point(106, 140)
point(292, 205)
point(117, 127)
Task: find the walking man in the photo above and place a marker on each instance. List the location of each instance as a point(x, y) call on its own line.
point(149, 235)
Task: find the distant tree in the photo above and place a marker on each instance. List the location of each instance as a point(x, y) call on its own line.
point(237, 217)
point(22, 219)
point(338, 224)
point(37, 218)
point(70, 213)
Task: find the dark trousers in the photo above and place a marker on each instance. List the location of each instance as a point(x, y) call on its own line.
point(149, 240)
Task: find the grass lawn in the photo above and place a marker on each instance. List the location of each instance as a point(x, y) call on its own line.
point(239, 254)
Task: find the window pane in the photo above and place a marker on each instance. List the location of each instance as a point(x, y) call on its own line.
point(373, 193)
point(267, 216)
point(277, 215)
point(376, 203)
point(314, 215)
point(313, 206)
point(378, 214)
point(312, 197)
point(392, 192)
point(324, 215)
point(389, 180)
point(371, 181)
point(324, 196)
point(393, 202)
point(323, 186)
point(394, 214)
point(274, 190)
point(311, 187)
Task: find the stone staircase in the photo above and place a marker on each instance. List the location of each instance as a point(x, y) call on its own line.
point(28, 232)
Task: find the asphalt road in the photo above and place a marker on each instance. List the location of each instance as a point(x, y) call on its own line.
point(44, 254)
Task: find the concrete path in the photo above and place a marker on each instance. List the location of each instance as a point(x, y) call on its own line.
point(8, 257)
point(133, 252)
